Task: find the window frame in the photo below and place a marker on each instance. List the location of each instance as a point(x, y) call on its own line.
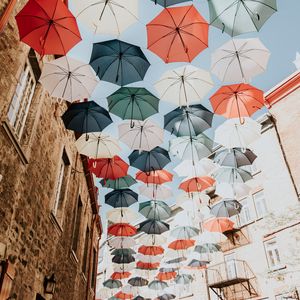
point(277, 265)
point(248, 206)
point(259, 216)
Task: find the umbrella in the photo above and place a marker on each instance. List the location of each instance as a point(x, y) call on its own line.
point(236, 17)
point(197, 184)
point(155, 177)
point(155, 191)
point(184, 86)
point(123, 251)
point(152, 226)
point(121, 295)
point(151, 250)
point(184, 232)
point(198, 264)
point(166, 3)
point(157, 285)
point(119, 62)
point(119, 183)
point(48, 27)
point(120, 275)
point(106, 17)
point(130, 103)
point(123, 267)
point(122, 242)
point(239, 60)
point(138, 281)
point(184, 279)
point(140, 298)
point(218, 225)
point(123, 259)
point(210, 237)
point(166, 297)
point(226, 208)
point(147, 161)
point(232, 134)
point(207, 248)
point(71, 80)
point(113, 298)
point(122, 215)
point(147, 266)
point(166, 275)
point(121, 229)
point(108, 168)
point(157, 210)
point(129, 289)
point(149, 258)
point(192, 148)
point(178, 34)
point(237, 101)
point(188, 121)
point(121, 198)
point(98, 145)
point(231, 175)
point(112, 284)
point(181, 244)
point(235, 157)
point(152, 240)
point(236, 190)
point(176, 260)
point(144, 135)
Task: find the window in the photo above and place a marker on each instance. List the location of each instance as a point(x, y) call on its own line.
point(85, 252)
point(19, 106)
point(273, 254)
point(245, 214)
point(76, 232)
point(260, 204)
point(94, 268)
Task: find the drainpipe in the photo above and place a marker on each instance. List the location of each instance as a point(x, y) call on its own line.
point(6, 14)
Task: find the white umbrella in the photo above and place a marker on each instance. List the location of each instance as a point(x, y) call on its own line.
point(240, 60)
point(152, 240)
point(149, 258)
point(122, 215)
point(122, 242)
point(155, 191)
point(184, 86)
point(235, 191)
point(106, 16)
point(208, 237)
point(234, 134)
point(68, 79)
point(123, 267)
point(98, 145)
point(144, 135)
point(129, 289)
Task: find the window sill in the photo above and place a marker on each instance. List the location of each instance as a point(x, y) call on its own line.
point(13, 138)
point(277, 268)
point(55, 223)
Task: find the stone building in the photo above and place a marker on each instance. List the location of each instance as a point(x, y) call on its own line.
point(49, 218)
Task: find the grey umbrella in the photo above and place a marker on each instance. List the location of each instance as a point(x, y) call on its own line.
point(231, 175)
point(226, 208)
point(157, 285)
point(152, 226)
point(207, 248)
point(184, 279)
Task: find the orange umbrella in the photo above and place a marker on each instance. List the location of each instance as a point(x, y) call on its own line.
point(178, 34)
point(147, 266)
point(197, 184)
point(218, 225)
point(181, 244)
point(166, 275)
point(151, 250)
point(121, 229)
point(156, 177)
point(122, 295)
point(237, 101)
point(120, 275)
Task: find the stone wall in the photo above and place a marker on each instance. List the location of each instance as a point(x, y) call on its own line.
point(36, 244)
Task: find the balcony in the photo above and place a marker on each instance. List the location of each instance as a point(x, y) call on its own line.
point(236, 237)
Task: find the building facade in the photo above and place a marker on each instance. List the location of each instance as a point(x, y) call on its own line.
point(49, 218)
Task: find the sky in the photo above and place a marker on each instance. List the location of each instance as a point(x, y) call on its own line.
point(280, 35)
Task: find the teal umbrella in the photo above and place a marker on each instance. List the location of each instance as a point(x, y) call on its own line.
point(157, 210)
point(119, 183)
point(130, 103)
point(207, 248)
point(157, 285)
point(112, 284)
point(184, 279)
point(240, 16)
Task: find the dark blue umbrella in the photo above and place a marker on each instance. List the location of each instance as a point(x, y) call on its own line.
point(121, 198)
point(119, 62)
point(166, 3)
point(123, 259)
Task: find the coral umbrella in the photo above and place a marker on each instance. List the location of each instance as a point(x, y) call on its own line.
point(178, 34)
point(121, 295)
point(166, 275)
point(181, 244)
point(108, 168)
point(120, 275)
point(119, 183)
point(197, 184)
point(121, 229)
point(147, 266)
point(155, 177)
point(151, 250)
point(218, 225)
point(48, 27)
point(237, 101)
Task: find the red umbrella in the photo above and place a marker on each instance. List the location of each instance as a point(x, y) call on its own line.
point(48, 27)
point(218, 225)
point(122, 295)
point(120, 275)
point(237, 100)
point(197, 184)
point(181, 244)
point(108, 168)
point(151, 250)
point(156, 177)
point(147, 266)
point(178, 34)
point(121, 229)
point(161, 276)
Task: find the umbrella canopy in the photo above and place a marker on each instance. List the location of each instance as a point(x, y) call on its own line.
point(210, 237)
point(147, 266)
point(98, 145)
point(197, 264)
point(166, 275)
point(149, 258)
point(237, 101)
point(166, 3)
point(121, 229)
point(176, 261)
point(144, 135)
point(181, 244)
point(138, 281)
point(106, 17)
point(86, 117)
point(156, 210)
point(239, 60)
point(184, 232)
point(123, 267)
point(233, 134)
point(188, 121)
point(218, 225)
point(192, 148)
point(235, 157)
point(121, 198)
point(237, 17)
point(112, 284)
point(123, 259)
point(119, 62)
point(236, 190)
point(155, 177)
point(147, 161)
point(178, 34)
point(48, 27)
point(184, 279)
point(226, 208)
point(123, 251)
point(157, 285)
point(152, 240)
point(140, 298)
point(130, 103)
point(207, 248)
point(122, 215)
point(122, 242)
point(119, 183)
point(108, 168)
point(121, 295)
point(166, 297)
point(184, 86)
point(152, 226)
point(231, 175)
point(120, 275)
point(129, 289)
point(155, 191)
point(197, 184)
